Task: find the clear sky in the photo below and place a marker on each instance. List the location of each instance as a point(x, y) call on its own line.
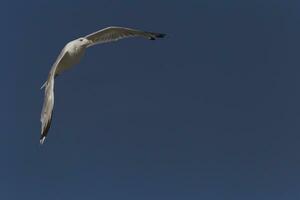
point(211, 112)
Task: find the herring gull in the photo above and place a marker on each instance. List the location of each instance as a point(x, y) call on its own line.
point(71, 55)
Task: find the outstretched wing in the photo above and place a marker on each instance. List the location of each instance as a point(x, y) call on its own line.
point(114, 33)
point(46, 114)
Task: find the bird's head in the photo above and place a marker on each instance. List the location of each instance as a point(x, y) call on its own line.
point(83, 41)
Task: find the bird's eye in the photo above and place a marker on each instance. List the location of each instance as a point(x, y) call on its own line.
point(81, 40)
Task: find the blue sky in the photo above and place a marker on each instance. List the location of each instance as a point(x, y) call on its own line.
point(211, 112)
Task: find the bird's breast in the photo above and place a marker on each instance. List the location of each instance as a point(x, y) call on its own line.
point(71, 58)
point(74, 55)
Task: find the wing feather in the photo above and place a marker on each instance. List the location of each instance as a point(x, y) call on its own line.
point(114, 33)
point(47, 110)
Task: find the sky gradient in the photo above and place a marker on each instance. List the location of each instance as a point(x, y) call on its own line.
point(210, 112)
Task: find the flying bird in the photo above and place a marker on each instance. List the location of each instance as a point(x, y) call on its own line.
point(71, 55)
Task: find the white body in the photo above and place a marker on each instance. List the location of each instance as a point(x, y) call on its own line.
point(72, 54)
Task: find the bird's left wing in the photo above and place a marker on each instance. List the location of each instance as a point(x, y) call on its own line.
point(114, 33)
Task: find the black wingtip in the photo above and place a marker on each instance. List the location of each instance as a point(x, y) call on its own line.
point(42, 140)
point(160, 35)
point(45, 130)
point(157, 35)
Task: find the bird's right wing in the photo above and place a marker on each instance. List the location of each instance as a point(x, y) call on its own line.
point(114, 33)
point(46, 114)
point(55, 69)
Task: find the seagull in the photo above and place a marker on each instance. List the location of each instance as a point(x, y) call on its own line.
point(71, 55)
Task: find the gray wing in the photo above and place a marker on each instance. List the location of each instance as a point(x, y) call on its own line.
point(46, 114)
point(114, 33)
point(55, 69)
